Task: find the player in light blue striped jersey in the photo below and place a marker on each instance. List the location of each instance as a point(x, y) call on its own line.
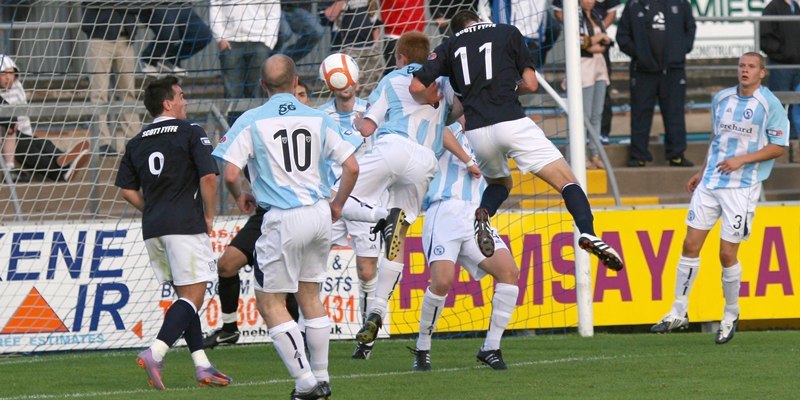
point(750, 130)
point(286, 145)
point(447, 238)
point(345, 107)
point(410, 137)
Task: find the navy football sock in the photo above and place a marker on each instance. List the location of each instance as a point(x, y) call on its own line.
point(493, 197)
point(228, 289)
point(194, 335)
point(578, 205)
point(177, 320)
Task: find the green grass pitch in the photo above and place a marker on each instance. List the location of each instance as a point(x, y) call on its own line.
point(755, 365)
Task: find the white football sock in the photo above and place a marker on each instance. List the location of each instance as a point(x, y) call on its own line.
point(731, 281)
point(229, 318)
point(389, 273)
point(289, 344)
point(355, 210)
point(159, 350)
point(687, 272)
point(432, 306)
point(318, 332)
point(200, 359)
point(503, 304)
point(367, 293)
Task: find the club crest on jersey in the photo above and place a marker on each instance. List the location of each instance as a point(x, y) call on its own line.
point(285, 108)
point(774, 132)
point(432, 56)
point(748, 113)
point(438, 250)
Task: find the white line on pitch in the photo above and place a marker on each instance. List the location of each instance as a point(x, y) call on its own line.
point(333, 378)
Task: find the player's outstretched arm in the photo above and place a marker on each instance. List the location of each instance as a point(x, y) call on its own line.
point(528, 84)
point(425, 94)
point(767, 152)
point(695, 179)
point(451, 144)
point(456, 111)
point(134, 197)
point(365, 125)
point(349, 177)
point(208, 190)
point(244, 200)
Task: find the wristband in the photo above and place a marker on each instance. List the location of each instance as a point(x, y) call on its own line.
point(470, 163)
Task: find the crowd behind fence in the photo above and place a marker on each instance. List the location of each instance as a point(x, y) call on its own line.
point(49, 43)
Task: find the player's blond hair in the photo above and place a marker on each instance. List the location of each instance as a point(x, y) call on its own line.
point(415, 46)
point(761, 61)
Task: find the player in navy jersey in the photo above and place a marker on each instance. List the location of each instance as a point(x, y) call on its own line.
point(286, 146)
point(447, 238)
point(489, 66)
point(751, 130)
point(168, 174)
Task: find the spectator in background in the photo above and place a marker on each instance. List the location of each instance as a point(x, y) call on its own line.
point(442, 10)
point(657, 35)
point(358, 36)
point(399, 17)
point(533, 20)
point(19, 144)
point(594, 73)
point(780, 41)
point(247, 32)
point(110, 30)
point(607, 9)
point(297, 19)
point(180, 33)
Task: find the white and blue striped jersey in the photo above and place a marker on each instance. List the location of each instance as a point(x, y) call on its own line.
point(286, 145)
point(346, 121)
point(393, 109)
point(743, 125)
point(452, 180)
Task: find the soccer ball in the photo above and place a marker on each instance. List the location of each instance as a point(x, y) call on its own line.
point(339, 71)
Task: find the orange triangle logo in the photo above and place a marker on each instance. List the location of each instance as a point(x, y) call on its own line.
point(137, 329)
point(34, 315)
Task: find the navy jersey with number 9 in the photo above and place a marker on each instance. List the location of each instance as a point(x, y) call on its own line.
point(166, 161)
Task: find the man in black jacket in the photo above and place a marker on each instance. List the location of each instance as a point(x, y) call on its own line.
point(781, 42)
point(657, 35)
point(110, 30)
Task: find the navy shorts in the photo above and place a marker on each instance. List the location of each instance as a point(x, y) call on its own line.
point(245, 240)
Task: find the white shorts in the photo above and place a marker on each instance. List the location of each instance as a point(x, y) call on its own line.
point(447, 234)
point(736, 206)
point(520, 139)
point(400, 165)
point(293, 247)
point(357, 235)
point(182, 259)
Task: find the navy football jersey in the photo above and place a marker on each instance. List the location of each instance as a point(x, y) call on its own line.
point(484, 63)
point(166, 160)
